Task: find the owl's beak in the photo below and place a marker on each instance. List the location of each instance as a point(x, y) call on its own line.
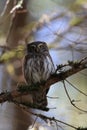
point(37, 50)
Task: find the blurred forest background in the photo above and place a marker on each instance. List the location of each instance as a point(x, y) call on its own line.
point(62, 24)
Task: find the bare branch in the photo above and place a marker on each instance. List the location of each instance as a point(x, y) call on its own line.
point(43, 117)
point(76, 88)
point(72, 101)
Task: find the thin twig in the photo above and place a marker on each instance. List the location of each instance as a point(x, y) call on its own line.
point(75, 87)
point(34, 121)
point(72, 101)
point(52, 97)
point(43, 117)
point(83, 74)
point(52, 119)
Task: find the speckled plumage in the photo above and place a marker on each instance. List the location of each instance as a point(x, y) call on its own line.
point(38, 64)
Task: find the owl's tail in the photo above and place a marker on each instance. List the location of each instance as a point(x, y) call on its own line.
point(40, 99)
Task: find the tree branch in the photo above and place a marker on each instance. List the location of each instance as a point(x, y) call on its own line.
point(46, 118)
point(60, 75)
point(75, 67)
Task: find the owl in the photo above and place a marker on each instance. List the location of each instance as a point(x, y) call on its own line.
point(37, 67)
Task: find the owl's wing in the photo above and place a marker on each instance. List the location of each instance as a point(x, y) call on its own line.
point(25, 67)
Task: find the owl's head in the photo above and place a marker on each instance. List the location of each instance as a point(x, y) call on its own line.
point(37, 47)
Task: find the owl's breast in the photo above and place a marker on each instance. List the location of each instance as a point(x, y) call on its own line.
point(38, 69)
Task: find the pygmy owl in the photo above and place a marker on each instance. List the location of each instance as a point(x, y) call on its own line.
point(37, 66)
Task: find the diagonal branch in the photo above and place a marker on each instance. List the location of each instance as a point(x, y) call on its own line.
point(74, 67)
point(43, 117)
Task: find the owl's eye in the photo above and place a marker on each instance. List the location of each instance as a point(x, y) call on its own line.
point(41, 46)
point(31, 48)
